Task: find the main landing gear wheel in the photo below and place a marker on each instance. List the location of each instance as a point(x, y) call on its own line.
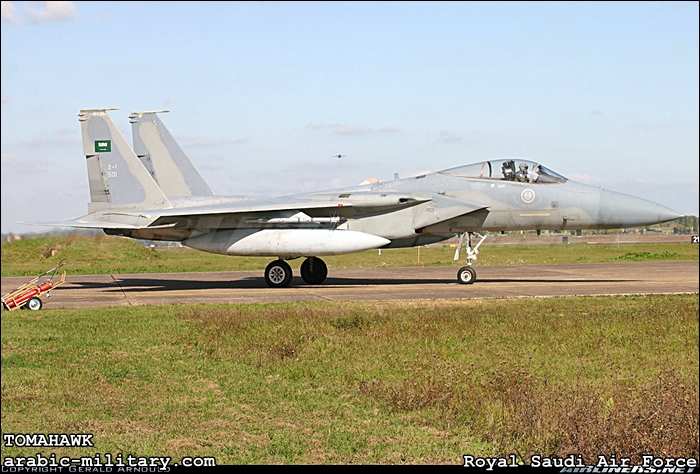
point(466, 275)
point(34, 304)
point(278, 274)
point(314, 271)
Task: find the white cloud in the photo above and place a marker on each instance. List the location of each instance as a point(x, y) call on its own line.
point(587, 179)
point(38, 12)
point(347, 130)
point(210, 166)
point(11, 162)
point(338, 128)
point(10, 13)
point(199, 142)
point(51, 142)
point(207, 142)
point(52, 11)
point(448, 136)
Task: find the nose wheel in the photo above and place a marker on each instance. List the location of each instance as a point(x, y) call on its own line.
point(466, 275)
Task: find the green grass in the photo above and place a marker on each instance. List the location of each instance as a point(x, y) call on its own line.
point(103, 254)
point(361, 383)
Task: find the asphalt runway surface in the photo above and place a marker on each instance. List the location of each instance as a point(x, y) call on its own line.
point(372, 284)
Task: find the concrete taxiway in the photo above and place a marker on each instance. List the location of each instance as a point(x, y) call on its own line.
point(95, 291)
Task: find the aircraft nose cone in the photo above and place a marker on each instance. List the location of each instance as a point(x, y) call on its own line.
point(621, 210)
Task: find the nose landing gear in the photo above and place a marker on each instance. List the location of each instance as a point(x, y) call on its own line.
point(467, 275)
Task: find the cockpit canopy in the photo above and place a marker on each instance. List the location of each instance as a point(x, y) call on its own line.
point(511, 169)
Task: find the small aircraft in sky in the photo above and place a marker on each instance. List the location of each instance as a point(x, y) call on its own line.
point(153, 191)
point(339, 156)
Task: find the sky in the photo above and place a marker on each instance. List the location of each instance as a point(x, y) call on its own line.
point(261, 95)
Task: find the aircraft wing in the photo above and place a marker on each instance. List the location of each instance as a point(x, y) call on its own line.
point(344, 204)
point(256, 211)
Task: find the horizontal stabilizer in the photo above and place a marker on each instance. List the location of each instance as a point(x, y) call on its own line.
point(78, 224)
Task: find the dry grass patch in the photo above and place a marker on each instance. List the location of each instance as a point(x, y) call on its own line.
point(416, 382)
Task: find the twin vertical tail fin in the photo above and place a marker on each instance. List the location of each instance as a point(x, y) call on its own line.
point(117, 178)
point(163, 157)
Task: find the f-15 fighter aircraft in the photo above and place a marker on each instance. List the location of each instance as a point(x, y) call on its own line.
point(153, 191)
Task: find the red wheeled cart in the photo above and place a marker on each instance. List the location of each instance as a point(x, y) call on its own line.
point(27, 295)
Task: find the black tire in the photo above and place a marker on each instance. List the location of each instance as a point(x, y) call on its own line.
point(314, 271)
point(278, 274)
point(34, 304)
point(466, 275)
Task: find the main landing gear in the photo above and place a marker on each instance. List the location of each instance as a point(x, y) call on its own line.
point(314, 271)
point(278, 274)
point(467, 275)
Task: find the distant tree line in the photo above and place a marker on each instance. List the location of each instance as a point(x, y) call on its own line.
point(56, 232)
point(686, 225)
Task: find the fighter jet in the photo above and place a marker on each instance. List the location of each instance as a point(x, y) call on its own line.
point(153, 191)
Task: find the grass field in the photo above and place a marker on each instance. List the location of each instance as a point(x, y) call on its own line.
point(360, 383)
point(418, 382)
point(104, 254)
